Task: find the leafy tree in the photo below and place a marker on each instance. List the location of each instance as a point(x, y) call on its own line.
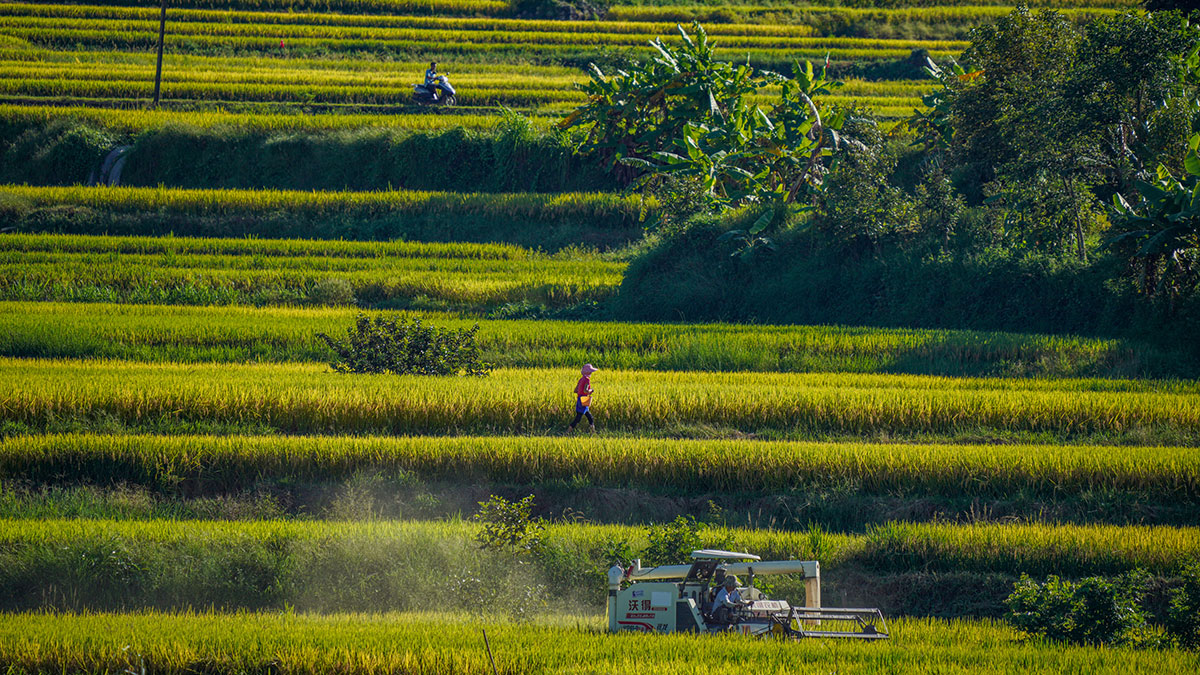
point(1050, 116)
point(406, 347)
point(862, 209)
point(685, 116)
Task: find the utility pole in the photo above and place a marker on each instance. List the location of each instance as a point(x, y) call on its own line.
point(162, 32)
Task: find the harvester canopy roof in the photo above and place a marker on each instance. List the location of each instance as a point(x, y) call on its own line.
point(714, 554)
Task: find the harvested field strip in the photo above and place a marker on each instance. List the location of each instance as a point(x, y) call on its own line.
point(205, 464)
point(239, 334)
point(307, 399)
point(1007, 549)
point(438, 643)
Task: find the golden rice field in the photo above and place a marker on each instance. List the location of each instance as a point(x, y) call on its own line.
point(1002, 548)
point(309, 398)
point(598, 208)
point(431, 642)
point(215, 271)
point(237, 334)
point(232, 463)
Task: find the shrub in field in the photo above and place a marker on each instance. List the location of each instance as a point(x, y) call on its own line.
point(406, 347)
point(670, 543)
point(1183, 616)
point(1093, 611)
point(509, 525)
point(332, 291)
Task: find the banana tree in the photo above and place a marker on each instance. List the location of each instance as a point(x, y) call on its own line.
point(1162, 229)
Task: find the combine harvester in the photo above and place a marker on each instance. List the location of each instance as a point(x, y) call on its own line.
point(679, 599)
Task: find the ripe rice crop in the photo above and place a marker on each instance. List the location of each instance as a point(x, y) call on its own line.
point(309, 398)
point(215, 271)
point(1036, 549)
point(438, 7)
point(603, 209)
point(324, 19)
point(205, 464)
point(134, 121)
point(239, 334)
point(437, 643)
point(591, 34)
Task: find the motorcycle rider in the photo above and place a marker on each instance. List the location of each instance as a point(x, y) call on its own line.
point(431, 77)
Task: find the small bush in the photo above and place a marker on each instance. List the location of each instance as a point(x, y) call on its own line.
point(332, 291)
point(509, 526)
point(1093, 611)
point(406, 348)
point(1183, 616)
point(672, 542)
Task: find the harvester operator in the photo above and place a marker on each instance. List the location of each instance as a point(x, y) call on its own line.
point(728, 599)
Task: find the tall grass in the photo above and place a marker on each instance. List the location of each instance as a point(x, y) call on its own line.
point(310, 399)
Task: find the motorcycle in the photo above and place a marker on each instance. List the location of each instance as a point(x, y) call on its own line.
point(424, 94)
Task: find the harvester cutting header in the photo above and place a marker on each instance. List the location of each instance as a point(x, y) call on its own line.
point(707, 597)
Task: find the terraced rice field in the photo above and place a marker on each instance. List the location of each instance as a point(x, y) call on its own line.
point(98, 55)
point(188, 486)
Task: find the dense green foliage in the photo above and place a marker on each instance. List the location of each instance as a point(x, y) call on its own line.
point(1093, 611)
point(514, 158)
point(977, 227)
point(1183, 615)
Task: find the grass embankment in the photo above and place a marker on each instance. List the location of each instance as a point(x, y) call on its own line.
point(513, 156)
point(443, 643)
point(158, 333)
point(839, 486)
point(183, 270)
point(82, 563)
point(310, 399)
point(536, 220)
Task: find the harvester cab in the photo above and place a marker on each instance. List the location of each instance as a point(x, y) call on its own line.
point(679, 599)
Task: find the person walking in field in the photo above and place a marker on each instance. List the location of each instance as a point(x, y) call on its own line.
point(583, 399)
